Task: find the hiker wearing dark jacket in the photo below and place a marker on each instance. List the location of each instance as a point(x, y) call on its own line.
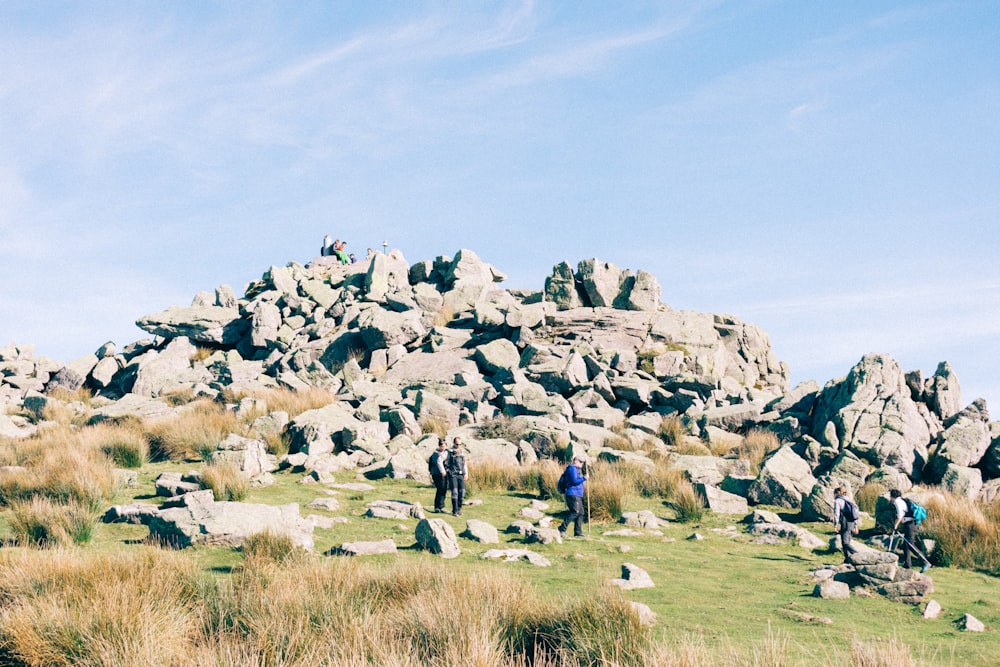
point(438, 467)
point(458, 472)
point(573, 481)
point(843, 521)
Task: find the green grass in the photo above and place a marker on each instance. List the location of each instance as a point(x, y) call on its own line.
point(725, 591)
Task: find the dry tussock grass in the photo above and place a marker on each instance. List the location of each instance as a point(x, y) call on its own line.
point(59, 464)
point(294, 402)
point(226, 481)
point(756, 446)
point(672, 431)
point(967, 533)
point(74, 608)
point(193, 434)
point(40, 522)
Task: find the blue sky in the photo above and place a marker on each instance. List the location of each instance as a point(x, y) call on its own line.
point(829, 171)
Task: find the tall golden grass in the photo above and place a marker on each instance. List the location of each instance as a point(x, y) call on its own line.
point(40, 522)
point(966, 533)
point(868, 495)
point(149, 606)
point(756, 446)
point(63, 465)
point(193, 434)
point(226, 481)
point(672, 431)
point(73, 608)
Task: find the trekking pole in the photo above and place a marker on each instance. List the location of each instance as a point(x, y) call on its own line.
point(586, 488)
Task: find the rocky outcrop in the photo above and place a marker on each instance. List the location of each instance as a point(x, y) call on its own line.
point(872, 414)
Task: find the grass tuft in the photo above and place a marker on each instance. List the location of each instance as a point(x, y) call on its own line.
point(226, 481)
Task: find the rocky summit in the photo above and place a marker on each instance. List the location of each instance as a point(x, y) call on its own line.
point(593, 357)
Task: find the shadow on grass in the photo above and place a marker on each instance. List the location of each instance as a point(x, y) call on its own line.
point(787, 557)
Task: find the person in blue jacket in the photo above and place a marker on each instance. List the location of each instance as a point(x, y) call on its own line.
point(572, 482)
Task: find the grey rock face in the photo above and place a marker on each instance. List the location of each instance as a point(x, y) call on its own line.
point(871, 413)
point(964, 441)
point(784, 478)
point(722, 502)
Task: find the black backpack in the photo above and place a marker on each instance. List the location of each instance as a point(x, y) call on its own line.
point(851, 512)
point(432, 463)
point(561, 484)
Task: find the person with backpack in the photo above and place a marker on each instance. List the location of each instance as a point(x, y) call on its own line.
point(845, 521)
point(437, 465)
point(571, 486)
point(458, 472)
point(906, 524)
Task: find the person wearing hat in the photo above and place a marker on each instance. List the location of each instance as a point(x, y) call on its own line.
point(458, 472)
point(571, 483)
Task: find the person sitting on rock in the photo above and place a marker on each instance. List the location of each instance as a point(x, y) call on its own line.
point(338, 250)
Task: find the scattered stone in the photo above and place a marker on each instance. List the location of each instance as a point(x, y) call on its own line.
point(510, 555)
point(633, 577)
point(932, 609)
point(481, 531)
point(831, 589)
point(970, 623)
point(372, 548)
point(437, 536)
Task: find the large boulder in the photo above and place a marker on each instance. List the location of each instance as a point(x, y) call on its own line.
point(871, 413)
point(159, 372)
point(204, 324)
point(321, 430)
point(382, 328)
point(437, 537)
point(228, 524)
point(561, 288)
point(784, 478)
point(964, 441)
point(601, 282)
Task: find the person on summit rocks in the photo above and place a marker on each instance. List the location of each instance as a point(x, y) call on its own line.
point(571, 485)
point(438, 467)
point(845, 521)
point(458, 472)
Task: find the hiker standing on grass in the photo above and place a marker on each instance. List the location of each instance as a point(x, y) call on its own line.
point(571, 484)
point(845, 521)
point(906, 525)
point(458, 472)
point(438, 467)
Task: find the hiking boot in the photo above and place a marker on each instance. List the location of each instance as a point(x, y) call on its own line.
point(562, 534)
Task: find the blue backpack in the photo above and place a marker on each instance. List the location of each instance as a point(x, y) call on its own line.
point(915, 510)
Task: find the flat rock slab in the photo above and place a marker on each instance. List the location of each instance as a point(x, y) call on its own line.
point(228, 524)
point(510, 555)
point(371, 548)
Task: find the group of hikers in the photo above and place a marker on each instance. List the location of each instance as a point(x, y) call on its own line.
point(449, 472)
point(846, 518)
point(337, 248)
